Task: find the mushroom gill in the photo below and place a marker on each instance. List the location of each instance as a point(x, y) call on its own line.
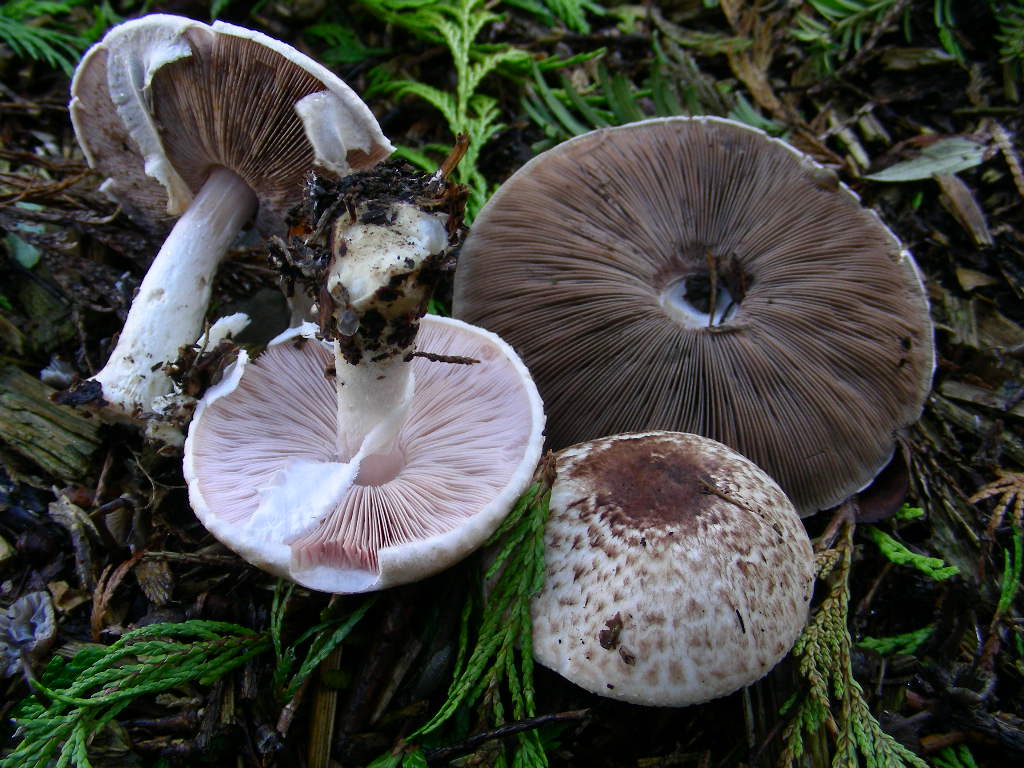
point(692, 274)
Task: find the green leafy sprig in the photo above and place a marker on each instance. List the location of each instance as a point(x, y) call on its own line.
point(896, 552)
point(566, 109)
point(456, 24)
point(344, 46)
point(823, 656)
point(89, 691)
point(27, 27)
point(907, 642)
point(1009, 15)
point(955, 757)
point(494, 665)
point(837, 28)
point(322, 638)
point(1013, 564)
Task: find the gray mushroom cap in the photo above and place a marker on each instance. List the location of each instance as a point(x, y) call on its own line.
point(27, 630)
point(597, 261)
point(676, 571)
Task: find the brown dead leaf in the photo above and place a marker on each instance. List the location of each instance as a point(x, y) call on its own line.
point(959, 200)
point(986, 398)
point(85, 538)
point(972, 279)
point(751, 64)
point(107, 585)
point(65, 597)
point(974, 322)
point(156, 580)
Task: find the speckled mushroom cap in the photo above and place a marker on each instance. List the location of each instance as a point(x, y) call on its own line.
point(163, 99)
point(597, 261)
point(676, 571)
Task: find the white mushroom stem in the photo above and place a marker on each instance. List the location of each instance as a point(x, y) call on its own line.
point(373, 401)
point(169, 309)
point(375, 392)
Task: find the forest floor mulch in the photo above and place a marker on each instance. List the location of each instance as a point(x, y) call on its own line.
point(97, 519)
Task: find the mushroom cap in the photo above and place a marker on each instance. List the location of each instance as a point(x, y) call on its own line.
point(266, 478)
point(676, 571)
point(590, 261)
point(162, 99)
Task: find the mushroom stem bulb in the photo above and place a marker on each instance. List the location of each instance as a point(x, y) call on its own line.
point(384, 255)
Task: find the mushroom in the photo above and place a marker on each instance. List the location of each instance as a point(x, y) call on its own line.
point(676, 571)
point(694, 274)
point(27, 630)
point(389, 447)
point(212, 124)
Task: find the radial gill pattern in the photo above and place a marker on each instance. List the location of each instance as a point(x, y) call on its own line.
point(695, 275)
point(469, 431)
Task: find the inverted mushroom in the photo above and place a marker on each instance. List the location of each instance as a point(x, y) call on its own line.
point(390, 448)
point(676, 571)
point(693, 274)
point(213, 124)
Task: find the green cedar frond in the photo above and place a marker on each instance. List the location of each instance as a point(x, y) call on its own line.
point(838, 29)
point(28, 29)
point(1012, 566)
point(89, 691)
point(323, 638)
point(457, 24)
point(908, 642)
point(442, 101)
point(573, 13)
point(833, 695)
point(675, 86)
point(496, 661)
point(1009, 15)
point(344, 46)
point(954, 757)
point(932, 567)
point(907, 512)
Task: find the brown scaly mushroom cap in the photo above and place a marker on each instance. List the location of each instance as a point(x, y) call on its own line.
point(676, 571)
point(694, 274)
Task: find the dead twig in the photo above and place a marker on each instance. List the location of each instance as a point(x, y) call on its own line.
point(509, 729)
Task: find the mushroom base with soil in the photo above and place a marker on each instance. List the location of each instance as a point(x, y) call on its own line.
point(381, 446)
